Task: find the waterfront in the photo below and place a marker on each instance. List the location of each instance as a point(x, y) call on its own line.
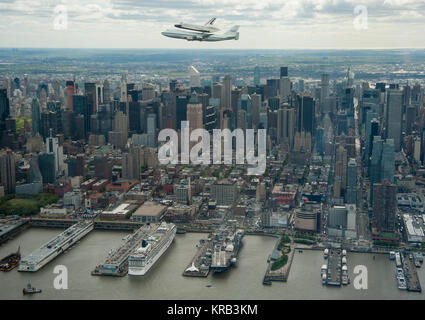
point(165, 280)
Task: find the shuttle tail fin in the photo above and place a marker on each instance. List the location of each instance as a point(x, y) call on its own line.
point(210, 22)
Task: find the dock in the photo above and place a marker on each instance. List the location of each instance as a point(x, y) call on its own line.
point(411, 275)
point(282, 274)
point(11, 228)
point(56, 246)
point(116, 264)
point(200, 264)
point(333, 276)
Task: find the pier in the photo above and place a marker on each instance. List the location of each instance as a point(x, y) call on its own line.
point(11, 228)
point(279, 275)
point(116, 264)
point(98, 224)
point(200, 264)
point(50, 250)
point(333, 276)
point(411, 275)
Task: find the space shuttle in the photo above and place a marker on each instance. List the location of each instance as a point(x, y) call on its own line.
point(206, 32)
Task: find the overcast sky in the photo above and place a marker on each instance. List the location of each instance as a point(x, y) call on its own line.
point(265, 24)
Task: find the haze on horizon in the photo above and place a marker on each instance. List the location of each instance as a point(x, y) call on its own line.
point(266, 24)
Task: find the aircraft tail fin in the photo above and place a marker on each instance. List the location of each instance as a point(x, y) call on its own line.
point(233, 31)
point(210, 22)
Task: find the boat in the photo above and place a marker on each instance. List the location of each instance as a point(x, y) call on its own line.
point(30, 290)
point(326, 253)
point(153, 247)
point(11, 261)
point(344, 278)
point(401, 282)
point(398, 260)
point(208, 285)
point(392, 255)
point(324, 278)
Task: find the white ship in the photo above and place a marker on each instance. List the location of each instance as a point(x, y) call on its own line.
point(55, 247)
point(153, 246)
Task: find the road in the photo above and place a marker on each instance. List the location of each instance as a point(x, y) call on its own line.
point(363, 232)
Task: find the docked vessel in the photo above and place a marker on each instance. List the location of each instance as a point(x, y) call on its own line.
point(401, 282)
point(392, 255)
point(30, 290)
point(398, 260)
point(326, 253)
point(152, 248)
point(50, 250)
point(344, 275)
point(11, 261)
point(227, 243)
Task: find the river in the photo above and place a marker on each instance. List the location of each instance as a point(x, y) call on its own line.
point(165, 280)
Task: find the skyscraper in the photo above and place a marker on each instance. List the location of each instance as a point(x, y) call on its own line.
point(7, 171)
point(257, 76)
point(195, 79)
point(35, 116)
point(384, 207)
point(70, 91)
point(394, 117)
point(227, 94)
point(194, 113)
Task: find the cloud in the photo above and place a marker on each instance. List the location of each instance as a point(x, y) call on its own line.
point(107, 22)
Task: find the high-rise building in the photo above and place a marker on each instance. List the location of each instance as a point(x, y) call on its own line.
point(35, 116)
point(70, 91)
point(257, 76)
point(283, 72)
point(81, 107)
point(90, 93)
point(394, 117)
point(46, 163)
point(121, 126)
point(52, 146)
point(218, 93)
point(382, 162)
point(384, 207)
point(286, 126)
point(181, 109)
point(7, 171)
point(4, 105)
point(195, 78)
point(227, 94)
point(224, 192)
point(305, 113)
point(255, 109)
point(194, 113)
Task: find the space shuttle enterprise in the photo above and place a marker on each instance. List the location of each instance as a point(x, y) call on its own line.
point(206, 32)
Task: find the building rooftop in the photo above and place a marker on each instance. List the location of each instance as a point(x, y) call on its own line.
point(150, 208)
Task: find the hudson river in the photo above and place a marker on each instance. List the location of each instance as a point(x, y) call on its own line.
point(165, 280)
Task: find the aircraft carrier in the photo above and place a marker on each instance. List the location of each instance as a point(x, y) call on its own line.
point(227, 242)
point(47, 252)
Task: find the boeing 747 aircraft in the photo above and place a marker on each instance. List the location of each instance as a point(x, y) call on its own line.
point(201, 33)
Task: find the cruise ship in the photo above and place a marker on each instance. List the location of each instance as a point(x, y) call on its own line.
point(47, 252)
point(153, 247)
